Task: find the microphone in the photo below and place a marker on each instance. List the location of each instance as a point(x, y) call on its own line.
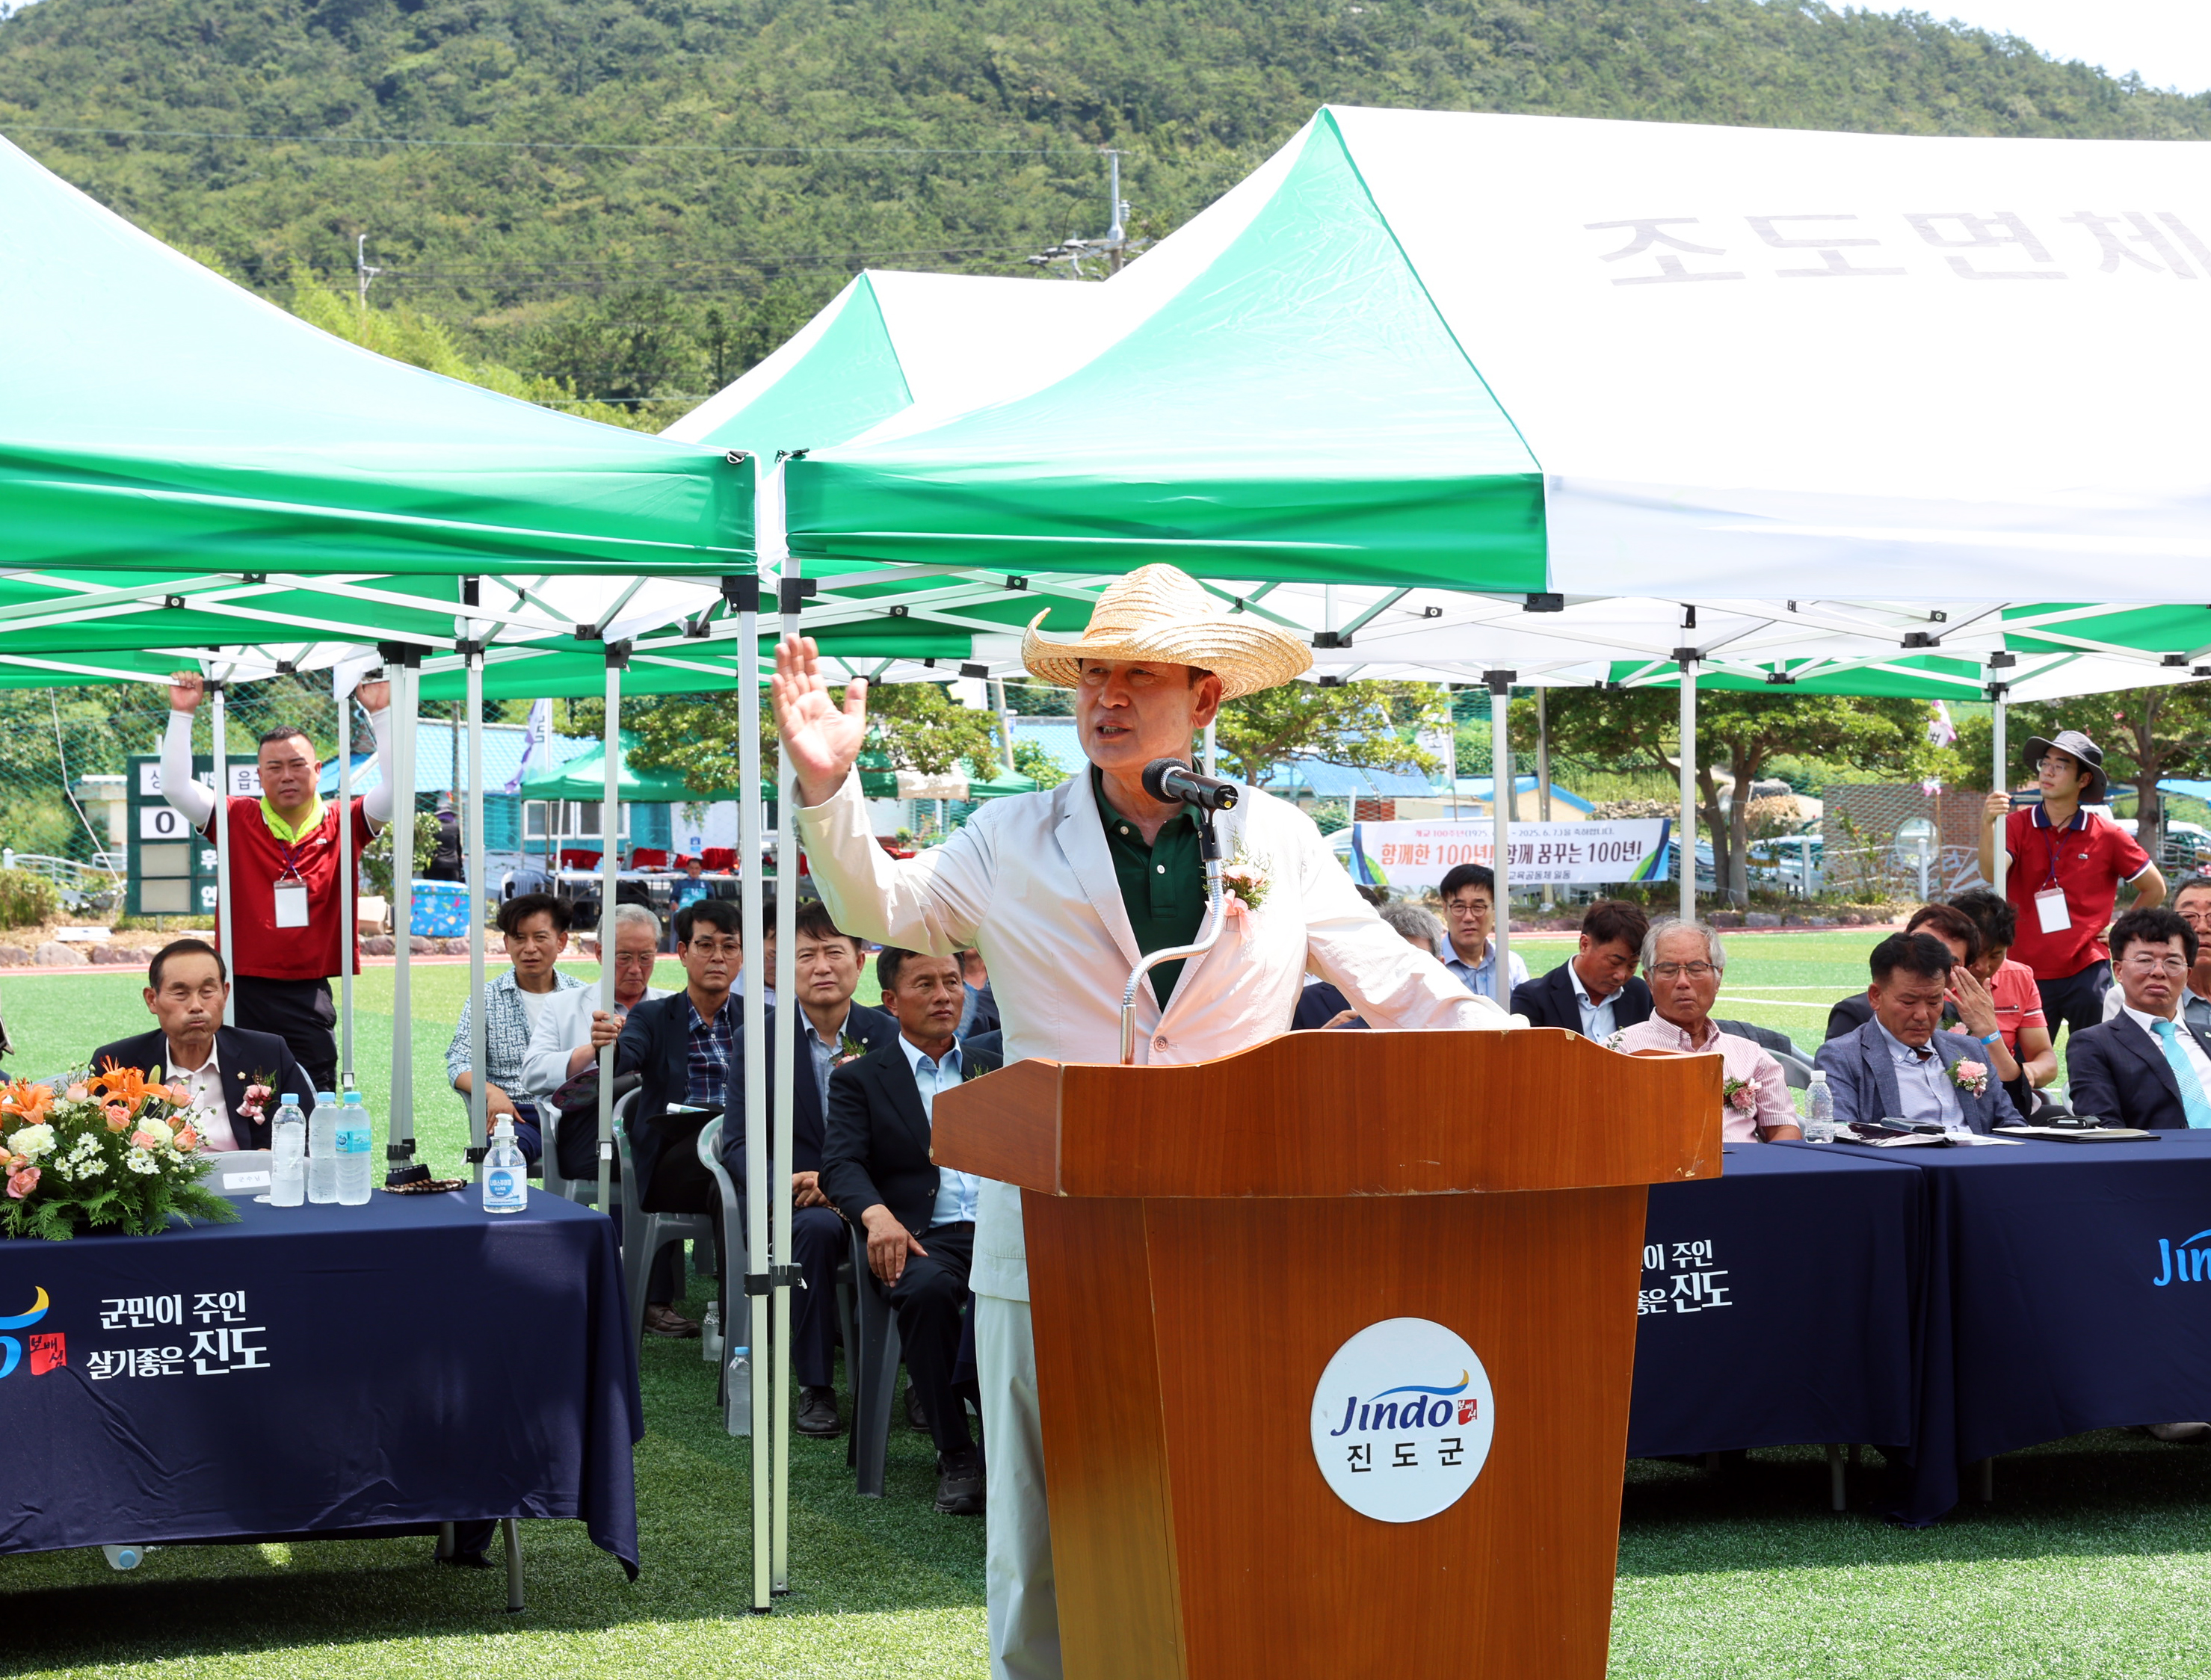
point(1168, 780)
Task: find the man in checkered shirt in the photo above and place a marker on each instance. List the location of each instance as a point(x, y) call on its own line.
point(535, 925)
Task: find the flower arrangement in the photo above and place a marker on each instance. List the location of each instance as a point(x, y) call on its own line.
point(1247, 877)
point(1970, 1076)
point(849, 1048)
point(112, 1152)
point(258, 1091)
point(1741, 1095)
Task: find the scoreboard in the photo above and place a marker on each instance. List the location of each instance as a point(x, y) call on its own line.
point(172, 870)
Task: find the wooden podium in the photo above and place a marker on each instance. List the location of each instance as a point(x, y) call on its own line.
point(1203, 1241)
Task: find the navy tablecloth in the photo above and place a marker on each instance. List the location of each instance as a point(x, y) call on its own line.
point(2056, 1298)
point(312, 1369)
point(1779, 1303)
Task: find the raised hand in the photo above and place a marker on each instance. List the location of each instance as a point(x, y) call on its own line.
point(1995, 808)
point(374, 697)
point(1977, 1007)
point(821, 738)
point(185, 688)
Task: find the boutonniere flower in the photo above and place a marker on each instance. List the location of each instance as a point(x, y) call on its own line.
point(1741, 1095)
point(849, 1048)
point(970, 1071)
point(1247, 878)
point(1617, 1041)
point(258, 1090)
point(1970, 1076)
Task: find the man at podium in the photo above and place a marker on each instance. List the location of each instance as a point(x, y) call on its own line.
point(1063, 892)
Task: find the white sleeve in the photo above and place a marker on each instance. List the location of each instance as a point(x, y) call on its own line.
point(194, 803)
point(375, 803)
point(931, 904)
point(545, 1063)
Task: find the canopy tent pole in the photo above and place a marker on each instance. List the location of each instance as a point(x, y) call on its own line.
point(219, 724)
point(1501, 810)
point(403, 663)
point(609, 830)
point(1451, 748)
point(1543, 776)
point(791, 593)
point(745, 593)
point(1686, 658)
point(348, 897)
point(1005, 717)
point(1999, 771)
point(479, 1083)
point(1213, 747)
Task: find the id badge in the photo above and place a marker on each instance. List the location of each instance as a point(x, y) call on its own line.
point(290, 903)
point(2050, 908)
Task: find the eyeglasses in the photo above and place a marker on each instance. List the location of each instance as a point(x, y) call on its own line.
point(1674, 970)
point(2152, 964)
point(2056, 761)
point(634, 959)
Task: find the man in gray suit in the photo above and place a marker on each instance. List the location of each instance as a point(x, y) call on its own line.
point(1897, 1065)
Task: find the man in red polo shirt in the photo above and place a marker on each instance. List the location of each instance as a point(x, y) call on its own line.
point(284, 915)
point(2064, 875)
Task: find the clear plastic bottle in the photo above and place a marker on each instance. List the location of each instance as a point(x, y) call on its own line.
point(287, 1155)
point(741, 1391)
point(351, 1145)
point(1819, 1110)
point(323, 1153)
point(506, 1171)
point(710, 1333)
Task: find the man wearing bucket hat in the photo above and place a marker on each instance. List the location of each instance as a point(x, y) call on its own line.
point(2064, 874)
point(1062, 891)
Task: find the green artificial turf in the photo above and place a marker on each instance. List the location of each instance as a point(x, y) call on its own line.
point(2090, 1563)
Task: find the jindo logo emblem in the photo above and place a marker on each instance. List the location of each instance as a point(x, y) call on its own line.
point(1402, 1420)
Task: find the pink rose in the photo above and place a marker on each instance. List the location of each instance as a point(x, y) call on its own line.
point(23, 1182)
point(78, 1093)
point(188, 1138)
point(144, 1140)
point(1744, 1098)
point(1971, 1070)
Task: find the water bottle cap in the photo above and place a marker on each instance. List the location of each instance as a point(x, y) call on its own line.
point(324, 1097)
point(352, 1099)
point(1819, 1076)
point(289, 1102)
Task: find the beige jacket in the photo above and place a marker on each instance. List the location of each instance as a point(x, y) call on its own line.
point(1029, 883)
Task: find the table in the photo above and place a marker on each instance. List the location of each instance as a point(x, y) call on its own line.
point(1779, 1303)
point(2069, 1288)
point(319, 1371)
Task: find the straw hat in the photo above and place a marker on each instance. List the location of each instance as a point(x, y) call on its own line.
point(1161, 615)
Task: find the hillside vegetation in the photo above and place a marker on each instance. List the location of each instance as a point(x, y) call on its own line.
point(633, 200)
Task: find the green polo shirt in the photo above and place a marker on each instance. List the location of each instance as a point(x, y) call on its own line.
point(1162, 884)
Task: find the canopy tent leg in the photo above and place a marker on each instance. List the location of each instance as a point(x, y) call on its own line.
point(1686, 657)
point(219, 723)
point(1450, 749)
point(1500, 807)
point(403, 665)
point(1006, 718)
point(1543, 776)
point(349, 894)
point(791, 593)
point(609, 879)
point(479, 1083)
point(745, 593)
point(1999, 772)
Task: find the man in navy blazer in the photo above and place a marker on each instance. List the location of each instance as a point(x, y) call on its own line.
point(2146, 1066)
point(825, 1031)
point(1594, 992)
point(1898, 1065)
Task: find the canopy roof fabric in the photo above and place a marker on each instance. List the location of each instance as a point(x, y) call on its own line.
point(888, 341)
point(1635, 297)
point(158, 417)
point(583, 776)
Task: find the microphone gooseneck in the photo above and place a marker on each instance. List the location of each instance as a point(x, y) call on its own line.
point(1156, 778)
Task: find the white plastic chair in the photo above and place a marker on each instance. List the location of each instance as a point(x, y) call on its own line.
point(644, 1235)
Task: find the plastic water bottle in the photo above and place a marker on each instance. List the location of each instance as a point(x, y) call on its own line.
point(505, 1181)
point(287, 1155)
point(1819, 1110)
point(351, 1151)
point(741, 1391)
point(710, 1333)
point(126, 1557)
point(323, 1153)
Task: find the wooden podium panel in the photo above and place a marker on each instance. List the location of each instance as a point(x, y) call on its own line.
point(1239, 1223)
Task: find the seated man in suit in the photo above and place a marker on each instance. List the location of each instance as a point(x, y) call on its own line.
point(1594, 992)
point(2148, 1066)
point(919, 1218)
point(1897, 1065)
point(682, 1048)
point(2191, 903)
point(237, 1078)
point(1946, 922)
point(826, 1029)
point(1686, 963)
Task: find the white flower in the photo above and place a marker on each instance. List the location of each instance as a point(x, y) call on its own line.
point(159, 1130)
point(32, 1141)
point(142, 1161)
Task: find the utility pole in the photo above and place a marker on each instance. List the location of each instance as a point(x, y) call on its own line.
point(1116, 248)
point(362, 273)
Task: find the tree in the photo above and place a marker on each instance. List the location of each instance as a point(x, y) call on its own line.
point(1738, 734)
point(1366, 725)
point(912, 726)
point(2147, 734)
point(1031, 760)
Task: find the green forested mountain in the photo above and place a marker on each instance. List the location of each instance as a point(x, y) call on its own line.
point(640, 197)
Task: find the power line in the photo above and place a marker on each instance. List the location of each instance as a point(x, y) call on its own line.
point(566, 145)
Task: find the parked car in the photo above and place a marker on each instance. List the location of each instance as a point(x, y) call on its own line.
point(2184, 843)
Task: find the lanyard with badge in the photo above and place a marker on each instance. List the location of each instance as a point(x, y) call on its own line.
point(291, 890)
point(2049, 903)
